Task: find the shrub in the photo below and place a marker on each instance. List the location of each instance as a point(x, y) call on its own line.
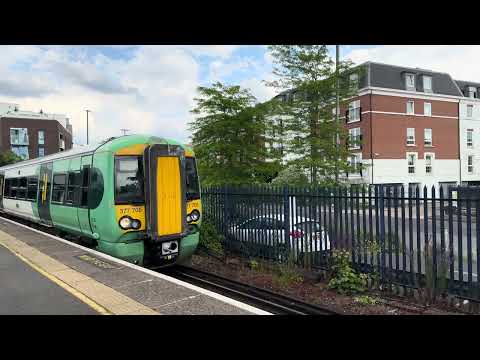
point(344, 278)
point(210, 238)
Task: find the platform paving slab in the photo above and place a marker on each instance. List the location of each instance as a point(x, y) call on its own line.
point(115, 287)
point(29, 292)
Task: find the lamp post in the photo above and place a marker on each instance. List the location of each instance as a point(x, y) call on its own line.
point(337, 53)
point(87, 111)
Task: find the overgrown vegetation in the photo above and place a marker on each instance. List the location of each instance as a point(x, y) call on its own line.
point(366, 300)
point(343, 278)
point(210, 238)
point(436, 282)
point(288, 273)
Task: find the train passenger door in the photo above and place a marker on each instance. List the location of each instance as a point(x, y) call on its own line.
point(83, 210)
point(43, 195)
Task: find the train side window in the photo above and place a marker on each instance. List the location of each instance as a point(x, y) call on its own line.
point(13, 189)
point(6, 190)
point(74, 183)
point(85, 185)
point(58, 190)
point(32, 188)
point(22, 188)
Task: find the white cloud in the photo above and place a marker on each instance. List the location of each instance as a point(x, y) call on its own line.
point(459, 61)
point(259, 89)
point(149, 91)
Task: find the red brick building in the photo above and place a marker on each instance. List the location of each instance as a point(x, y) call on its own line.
point(31, 135)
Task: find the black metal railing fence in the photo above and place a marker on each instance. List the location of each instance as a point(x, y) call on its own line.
point(406, 237)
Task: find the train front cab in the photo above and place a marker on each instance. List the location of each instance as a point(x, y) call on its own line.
point(168, 210)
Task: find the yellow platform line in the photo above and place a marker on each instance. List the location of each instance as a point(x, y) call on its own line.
point(95, 306)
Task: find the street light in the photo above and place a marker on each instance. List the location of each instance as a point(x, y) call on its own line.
point(87, 123)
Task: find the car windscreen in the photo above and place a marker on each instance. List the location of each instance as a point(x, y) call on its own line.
point(193, 189)
point(129, 180)
point(308, 226)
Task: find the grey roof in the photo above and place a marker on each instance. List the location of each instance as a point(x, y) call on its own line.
point(464, 84)
point(392, 77)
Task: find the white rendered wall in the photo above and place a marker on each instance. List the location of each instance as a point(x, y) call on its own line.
point(470, 123)
point(388, 171)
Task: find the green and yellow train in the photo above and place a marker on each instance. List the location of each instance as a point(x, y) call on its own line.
point(134, 197)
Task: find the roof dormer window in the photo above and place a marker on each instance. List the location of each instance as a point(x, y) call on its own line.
point(471, 92)
point(410, 81)
point(427, 83)
point(354, 81)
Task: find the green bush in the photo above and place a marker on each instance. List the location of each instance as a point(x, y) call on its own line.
point(210, 238)
point(344, 278)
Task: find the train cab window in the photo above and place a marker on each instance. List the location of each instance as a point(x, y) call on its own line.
point(58, 190)
point(129, 180)
point(193, 190)
point(32, 188)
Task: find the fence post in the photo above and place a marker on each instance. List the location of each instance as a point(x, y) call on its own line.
point(381, 210)
point(225, 209)
point(286, 217)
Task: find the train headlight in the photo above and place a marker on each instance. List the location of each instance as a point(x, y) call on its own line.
point(189, 218)
point(195, 215)
point(125, 222)
point(136, 224)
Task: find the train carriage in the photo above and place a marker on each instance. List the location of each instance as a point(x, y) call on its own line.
point(134, 197)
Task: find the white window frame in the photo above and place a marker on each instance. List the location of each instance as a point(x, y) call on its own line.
point(354, 134)
point(469, 110)
point(354, 111)
point(470, 167)
point(470, 141)
point(413, 143)
point(428, 106)
point(355, 160)
point(472, 91)
point(425, 143)
point(432, 158)
point(42, 138)
point(415, 155)
point(425, 88)
point(413, 107)
point(407, 86)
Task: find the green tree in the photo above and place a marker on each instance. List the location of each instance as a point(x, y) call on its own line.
point(309, 118)
point(229, 136)
point(292, 175)
point(9, 157)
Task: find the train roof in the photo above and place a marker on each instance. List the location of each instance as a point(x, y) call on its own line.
point(113, 144)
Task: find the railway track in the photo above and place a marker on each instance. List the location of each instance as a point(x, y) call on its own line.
point(266, 300)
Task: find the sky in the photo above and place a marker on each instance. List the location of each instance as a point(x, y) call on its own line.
point(151, 89)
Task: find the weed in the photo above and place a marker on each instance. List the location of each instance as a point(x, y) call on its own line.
point(366, 300)
point(287, 273)
point(344, 278)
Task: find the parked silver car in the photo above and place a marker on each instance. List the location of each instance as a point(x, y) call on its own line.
point(305, 235)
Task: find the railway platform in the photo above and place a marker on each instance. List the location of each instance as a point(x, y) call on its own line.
point(44, 274)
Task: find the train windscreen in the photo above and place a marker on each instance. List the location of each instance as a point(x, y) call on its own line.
point(193, 189)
